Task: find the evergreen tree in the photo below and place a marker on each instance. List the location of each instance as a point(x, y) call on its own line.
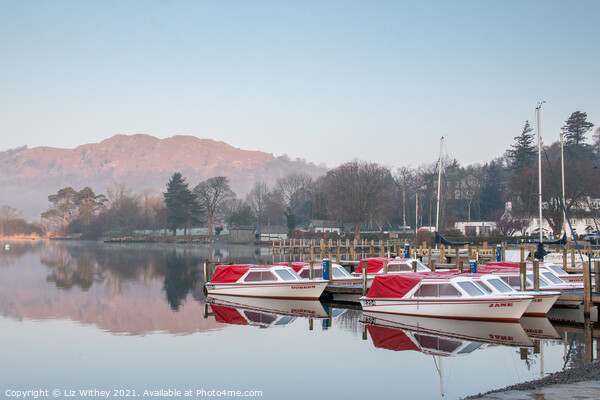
point(181, 202)
point(522, 154)
point(575, 129)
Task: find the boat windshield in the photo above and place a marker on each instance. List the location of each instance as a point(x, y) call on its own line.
point(471, 289)
point(556, 269)
point(543, 282)
point(500, 285)
point(340, 272)
point(287, 275)
point(553, 278)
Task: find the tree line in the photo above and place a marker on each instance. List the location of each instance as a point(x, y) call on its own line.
point(356, 194)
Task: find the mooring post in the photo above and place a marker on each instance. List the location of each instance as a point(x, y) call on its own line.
point(414, 266)
point(385, 266)
point(573, 257)
point(460, 267)
point(432, 265)
point(312, 269)
point(206, 270)
point(442, 254)
point(522, 253)
point(564, 252)
point(364, 265)
point(536, 275)
point(587, 290)
point(523, 274)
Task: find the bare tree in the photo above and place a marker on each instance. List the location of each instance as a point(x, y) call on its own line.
point(294, 190)
point(258, 200)
point(354, 190)
point(211, 193)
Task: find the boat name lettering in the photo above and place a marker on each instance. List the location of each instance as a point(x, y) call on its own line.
point(501, 337)
point(538, 331)
point(501, 305)
point(304, 287)
point(301, 311)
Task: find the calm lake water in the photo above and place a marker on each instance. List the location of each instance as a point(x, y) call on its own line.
point(133, 320)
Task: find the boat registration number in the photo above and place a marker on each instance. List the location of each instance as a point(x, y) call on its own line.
point(370, 302)
point(209, 287)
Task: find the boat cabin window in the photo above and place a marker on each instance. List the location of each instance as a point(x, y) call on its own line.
point(499, 285)
point(470, 348)
point(543, 282)
point(285, 275)
point(553, 278)
point(340, 272)
point(399, 268)
point(471, 289)
point(260, 276)
point(558, 270)
point(512, 281)
point(436, 290)
point(305, 273)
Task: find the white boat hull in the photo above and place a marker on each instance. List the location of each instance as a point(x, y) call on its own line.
point(487, 309)
point(541, 304)
point(306, 290)
point(294, 307)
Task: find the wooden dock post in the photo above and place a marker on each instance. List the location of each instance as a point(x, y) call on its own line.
point(587, 290)
point(385, 266)
point(338, 254)
point(372, 249)
point(206, 270)
point(522, 253)
point(432, 265)
point(573, 257)
point(364, 265)
point(503, 251)
point(442, 254)
point(312, 269)
point(536, 275)
point(414, 266)
point(460, 267)
point(523, 274)
point(564, 251)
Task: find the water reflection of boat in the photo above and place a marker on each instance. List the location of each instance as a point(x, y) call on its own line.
point(539, 328)
point(271, 309)
point(241, 316)
point(503, 333)
point(385, 337)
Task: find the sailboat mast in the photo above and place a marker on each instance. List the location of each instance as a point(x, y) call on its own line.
point(562, 164)
point(539, 108)
point(437, 214)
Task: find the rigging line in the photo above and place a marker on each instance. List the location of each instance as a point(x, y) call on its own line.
point(562, 203)
point(582, 189)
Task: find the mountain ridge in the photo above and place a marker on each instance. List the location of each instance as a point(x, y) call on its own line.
point(140, 161)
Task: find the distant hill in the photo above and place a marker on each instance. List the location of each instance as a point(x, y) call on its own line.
point(140, 161)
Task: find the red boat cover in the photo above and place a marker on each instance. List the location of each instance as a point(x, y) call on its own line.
point(390, 338)
point(393, 285)
point(229, 273)
point(228, 315)
point(488, 269)
point(374, 265)
point(296, 266)
point(505, 264)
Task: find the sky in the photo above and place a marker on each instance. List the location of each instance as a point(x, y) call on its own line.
point(327, 81)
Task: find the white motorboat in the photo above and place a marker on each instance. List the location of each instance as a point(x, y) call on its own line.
point(269, 281)
point(441, 296)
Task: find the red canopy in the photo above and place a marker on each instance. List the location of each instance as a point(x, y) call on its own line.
point(228, 315)
point(393, 285)
point(229, 273)
point(374, 265)
point(390, 338)
point(504, 264)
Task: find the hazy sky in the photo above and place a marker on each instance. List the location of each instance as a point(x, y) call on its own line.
point(328, 81)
